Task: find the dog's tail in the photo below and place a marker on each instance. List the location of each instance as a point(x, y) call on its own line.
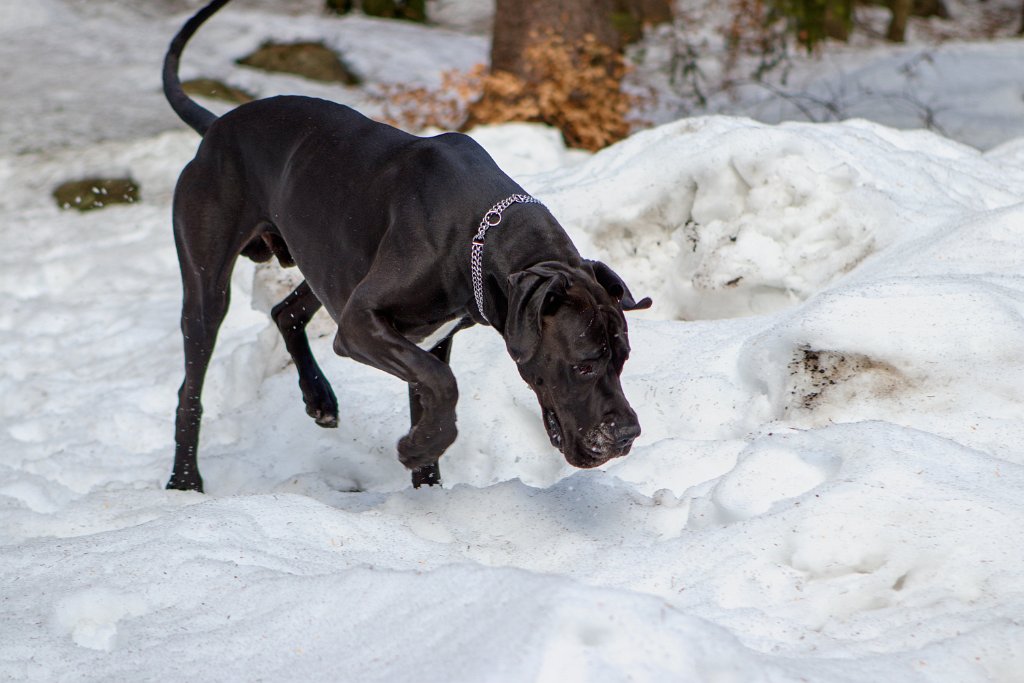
point(197, 117)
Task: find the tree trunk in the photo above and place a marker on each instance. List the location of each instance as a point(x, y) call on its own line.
point(518, 24)
point(649, 11)
point(630, 17)
point(931, 8)
point(838, 20)
point(897, 32)
point(560, 62)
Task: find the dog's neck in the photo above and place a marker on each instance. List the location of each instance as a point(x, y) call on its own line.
point(491, 219)
point(522, 241)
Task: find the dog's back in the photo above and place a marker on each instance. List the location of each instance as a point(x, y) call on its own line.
point(329, 180)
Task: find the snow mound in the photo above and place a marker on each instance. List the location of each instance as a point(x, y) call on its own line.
point(739, 218)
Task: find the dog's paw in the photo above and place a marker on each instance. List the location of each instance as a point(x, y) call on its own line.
point(321, 405)
point(421, 447)
point(326, 419)
point(189, 482)
point(428, 475)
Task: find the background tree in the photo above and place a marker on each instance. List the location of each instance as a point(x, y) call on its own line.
point(811, 21)
point(413, 10)
point(901, 10)
point(521, 24)
point(560, 62)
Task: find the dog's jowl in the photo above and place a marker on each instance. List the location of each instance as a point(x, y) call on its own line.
point(397, 236)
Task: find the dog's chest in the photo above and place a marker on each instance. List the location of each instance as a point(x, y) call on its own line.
point(439, 334)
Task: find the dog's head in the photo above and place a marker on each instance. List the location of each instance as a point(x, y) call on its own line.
point(566, 331)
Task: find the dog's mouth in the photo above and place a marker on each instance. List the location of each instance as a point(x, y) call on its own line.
point(554, 428)
point(586, 457)
point(588, 452)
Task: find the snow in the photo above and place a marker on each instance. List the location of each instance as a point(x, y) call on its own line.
point(957, 77)
point(827, 488)
point(908, 86)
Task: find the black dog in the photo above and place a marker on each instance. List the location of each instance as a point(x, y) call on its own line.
point(381, 224)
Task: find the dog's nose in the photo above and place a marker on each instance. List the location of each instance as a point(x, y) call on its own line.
point(625, 434)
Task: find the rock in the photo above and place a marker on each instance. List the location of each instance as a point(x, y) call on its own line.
point(96, 193)
point(310, 60)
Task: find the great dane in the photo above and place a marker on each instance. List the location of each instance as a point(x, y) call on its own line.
point(404, 240)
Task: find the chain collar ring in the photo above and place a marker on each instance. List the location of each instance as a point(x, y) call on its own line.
point(476, 250)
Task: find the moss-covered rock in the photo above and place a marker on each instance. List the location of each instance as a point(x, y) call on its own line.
point(95, 193)
point(209, 87)
point(310, 60)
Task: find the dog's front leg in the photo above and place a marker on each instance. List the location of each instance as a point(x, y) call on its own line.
point(427, 474)
point(366, 335)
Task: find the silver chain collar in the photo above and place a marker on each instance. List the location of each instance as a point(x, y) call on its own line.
point(476, 250)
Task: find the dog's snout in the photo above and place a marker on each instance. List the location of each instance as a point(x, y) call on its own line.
point(625, 434)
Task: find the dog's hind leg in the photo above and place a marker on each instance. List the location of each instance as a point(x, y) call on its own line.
point(208, 241)
point(291, 316)
point(427, 474)
point(203, 308)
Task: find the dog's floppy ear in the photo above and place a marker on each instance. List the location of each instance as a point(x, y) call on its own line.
point(532, 294)
point(614, 285)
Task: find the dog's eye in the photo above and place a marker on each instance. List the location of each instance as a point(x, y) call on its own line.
point(587, 368)
point(584, 368)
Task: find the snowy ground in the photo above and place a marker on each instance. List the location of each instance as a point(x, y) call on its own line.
point(828, 487)
point(959, 77)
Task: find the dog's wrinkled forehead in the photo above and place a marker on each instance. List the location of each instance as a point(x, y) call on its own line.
point(575, 308)
point(587, 324)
